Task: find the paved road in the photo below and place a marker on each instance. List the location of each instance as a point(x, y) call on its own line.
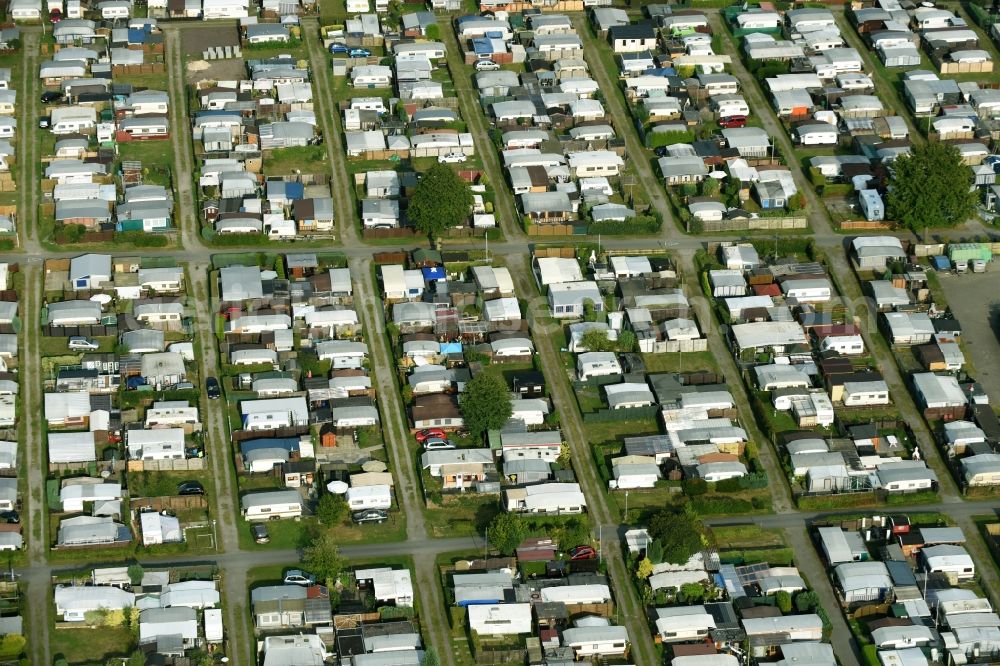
point(180, 137)
point(333, 135)
point(634, 616)
point(807, 561)
point(472, 113)
point(219, 455)
point(34, 456)
point(29, 170)
point(975, 301)
point(397, 435)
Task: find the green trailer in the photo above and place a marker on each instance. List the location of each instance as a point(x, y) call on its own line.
point(969, 252)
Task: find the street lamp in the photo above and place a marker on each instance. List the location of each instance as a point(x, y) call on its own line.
point(626, 507)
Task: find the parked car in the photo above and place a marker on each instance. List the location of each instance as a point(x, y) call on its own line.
point(978, 266)
point(377, 516)
point(85, 344)
point(299, 577)
point(10, 517)
point(359, 53)
point(486, 66)
point(426, 433)
point(259, 533)
point(190, 488)
point(43, 122)
point(582, 553)
point(733, 121)
point(337, 47)
point(451, 158)
point(437, 443)
point(212, 388)
point(50, 96)
point(660, 151)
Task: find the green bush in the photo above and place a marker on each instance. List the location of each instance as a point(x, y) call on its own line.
point(233, 240)
point(729, 485)
point(141, 239)
point(721, 504)
point(695, 487)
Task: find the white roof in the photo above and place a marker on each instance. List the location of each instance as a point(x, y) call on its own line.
point(500, 619)
point(555, 270)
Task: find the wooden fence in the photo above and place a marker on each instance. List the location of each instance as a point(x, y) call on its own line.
point(558, 252)
point(147, 68)
point(398, 232)
point(171, 465)
point(381, 155)
point(175, 502)
point(550, 230)
point(85, 331)
point(381, 258)
point(756, 224)
point(88, 237)
point(60, 469)
point(851, 225)
point(277, 433)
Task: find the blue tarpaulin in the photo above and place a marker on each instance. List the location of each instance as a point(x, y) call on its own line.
point(434, 274)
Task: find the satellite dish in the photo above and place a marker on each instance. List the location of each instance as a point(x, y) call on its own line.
point(105, 473)
point(103, 299)
point(337, 487)
point(374, 466)
point(718, 175)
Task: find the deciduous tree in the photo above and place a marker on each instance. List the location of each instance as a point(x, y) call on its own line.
point(486, 403)
point(680, 534)
point(596, 339)
point(441, 201)
point(930, 187)
point(332, 509)
point(506, 532)
point(322, 557)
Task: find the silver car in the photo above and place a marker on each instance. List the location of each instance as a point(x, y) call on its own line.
point(84, 344)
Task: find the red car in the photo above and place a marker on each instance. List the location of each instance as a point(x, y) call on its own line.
point(582, 553)
point(733, 121)
point(427, 433)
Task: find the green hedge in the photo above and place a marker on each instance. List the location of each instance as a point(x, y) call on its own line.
point(608, 415)
point(640, 224)
point(141, 239)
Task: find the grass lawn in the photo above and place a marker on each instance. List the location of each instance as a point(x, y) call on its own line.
point(153, 80)
point(465, 518)
point(90, 645)
point(600, 433)
point(150, 153)
point(155, 484)
point(589, 399)
point(747, 536)
point(682, 362)
point(292, 534)
point(283, 161)
point(295, 48)
point(57, 346)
